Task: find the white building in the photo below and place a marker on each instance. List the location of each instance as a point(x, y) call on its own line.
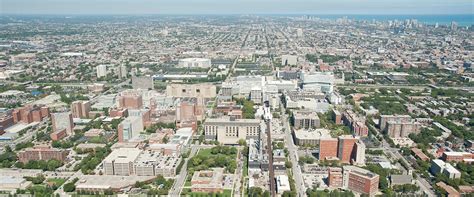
point(101, 70)
point(319, 81)
point(129, 128)
point(194, 63)
point(282, 184)
point(439, 166)
point(289, 60)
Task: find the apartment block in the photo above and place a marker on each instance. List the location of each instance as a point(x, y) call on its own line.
point(62, 121)
point(35, 154)
point(306, 119)
point(346, 147)
point(328, 148)
point(80, 109)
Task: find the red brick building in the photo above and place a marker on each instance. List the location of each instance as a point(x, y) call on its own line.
point(346, 147)
point(42, 154)
point(130, 100)
point(328, 148)
point(361, 180)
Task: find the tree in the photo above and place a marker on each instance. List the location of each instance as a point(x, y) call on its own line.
point(242, 142)
point(69, 187)
point(288, 164)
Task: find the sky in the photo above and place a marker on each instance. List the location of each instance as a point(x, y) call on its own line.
point(375, 7)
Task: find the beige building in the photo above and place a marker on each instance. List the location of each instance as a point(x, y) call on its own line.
point(120, 161)
point(80, 109)
point(231, 130)
point(191, 90)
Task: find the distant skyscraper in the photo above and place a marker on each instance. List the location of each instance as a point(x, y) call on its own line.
point(101, 71)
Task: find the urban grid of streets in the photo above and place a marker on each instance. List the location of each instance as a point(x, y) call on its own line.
point(412, 73)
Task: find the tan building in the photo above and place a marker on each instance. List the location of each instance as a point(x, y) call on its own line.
point(191, 90)
point(62, 121)
point(230, 131)
point(335, 178)
point(306, 119)
point(80, 109)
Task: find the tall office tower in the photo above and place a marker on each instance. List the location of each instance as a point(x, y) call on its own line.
point(62, 121)
point(80, 109)
point(130, 128)
point(346, 147)
point(101, 70)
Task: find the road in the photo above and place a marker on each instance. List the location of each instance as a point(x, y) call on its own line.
point(395, 153)
point(293, 155)
point(271, 171)
point(398, 86)
point(181, 178)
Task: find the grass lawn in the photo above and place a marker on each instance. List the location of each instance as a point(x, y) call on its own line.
point(187, 183)
point(226, 193)
point(205, 152)
point(58, 182)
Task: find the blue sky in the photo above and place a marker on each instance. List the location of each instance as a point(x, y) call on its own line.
point(236, 6)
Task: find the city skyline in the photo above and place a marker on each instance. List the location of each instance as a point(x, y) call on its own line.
point(356, 7)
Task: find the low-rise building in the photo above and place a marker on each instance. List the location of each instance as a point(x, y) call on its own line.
point(230, 131)
point(35, 154)
point(282, 184)
point(439, 166)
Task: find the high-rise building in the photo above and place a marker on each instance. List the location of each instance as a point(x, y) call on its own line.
point(62, 121)
point(101, 70)
point(360, 180)
point(335, 178)
point(359, 153)
point(328, 148)
point(80, 109)
point(30, 113)
point(122, 71)
point(346, 147)
point(129, 128)
point(130, 100)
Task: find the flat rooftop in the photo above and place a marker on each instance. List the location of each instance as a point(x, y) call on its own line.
point(123, 155)
point(311, 134)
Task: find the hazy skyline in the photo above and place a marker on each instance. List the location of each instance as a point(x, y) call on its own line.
point(392, 7)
